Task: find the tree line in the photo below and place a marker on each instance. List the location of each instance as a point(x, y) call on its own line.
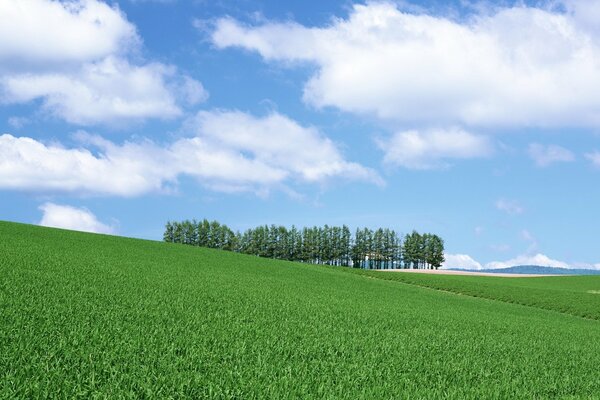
point(329, 245)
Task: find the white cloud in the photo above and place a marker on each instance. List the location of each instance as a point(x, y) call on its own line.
point(101, 92)
point(431, 149)
point(76, 58)
point(544, 155)
point(192, 91)
point(231, 151)
point(77, 219)
point(511, 207)
point(464, 261)
point(40, 32)
point(282, 143)
point(518, 66)
point(594, 158)
point(586, 13)
point(460, 261)
point(127, 170)
point(578, 265)
point(537, 259)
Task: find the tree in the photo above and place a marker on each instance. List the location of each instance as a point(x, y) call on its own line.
point(346, 245)
point(229, 242)
point(177, 232)
point(203, 229)
point(398, 255)
point(368, 248)
point(437, 252)
point(190, 232)
point(169, 236)
point(357, 249)
point(413, 251)
point(280, 237)
point(294, 244)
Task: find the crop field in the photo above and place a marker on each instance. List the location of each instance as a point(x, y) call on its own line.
point(93, 316)
point(576, 295)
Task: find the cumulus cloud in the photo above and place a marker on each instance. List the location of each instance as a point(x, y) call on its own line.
point(39, 32)
point(280, 142)
point(75, 57)
point(511, 207)
point(517, 66)
point(126, 170)
point(230, 151)
point(544, 155)
point(464, 261)
point(77, 219)
point(108, 90)
point(460, 261)
point(432, 149)
point(537, 259)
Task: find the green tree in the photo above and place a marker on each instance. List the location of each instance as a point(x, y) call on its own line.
point(203, 229)
point(346, 245)
point(169, 235)
point(332, 245)
point(437, 252)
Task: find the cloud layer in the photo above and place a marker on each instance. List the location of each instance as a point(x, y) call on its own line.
point(231, 151)
point(492, 69)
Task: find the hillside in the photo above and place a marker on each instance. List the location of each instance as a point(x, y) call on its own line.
point(574, 295)
point(88, 315)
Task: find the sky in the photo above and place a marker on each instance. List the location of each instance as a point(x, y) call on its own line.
point(477, 121)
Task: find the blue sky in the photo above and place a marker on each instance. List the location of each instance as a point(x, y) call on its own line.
point(477, 121)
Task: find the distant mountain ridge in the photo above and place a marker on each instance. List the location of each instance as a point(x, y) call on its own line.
point(536, 269)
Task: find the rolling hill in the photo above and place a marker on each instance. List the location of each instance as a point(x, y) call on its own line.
point(96, 316)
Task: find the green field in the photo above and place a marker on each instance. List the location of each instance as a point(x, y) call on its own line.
point(575, 295)
point(94, 316)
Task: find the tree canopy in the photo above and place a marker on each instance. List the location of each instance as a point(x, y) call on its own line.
point(381, 248)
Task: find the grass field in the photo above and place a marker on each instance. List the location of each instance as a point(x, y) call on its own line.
point(576, 295)
point(94, 316)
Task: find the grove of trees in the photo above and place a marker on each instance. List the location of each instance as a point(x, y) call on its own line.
point(329, 245)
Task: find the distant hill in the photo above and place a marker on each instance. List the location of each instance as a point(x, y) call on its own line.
point(538, 269)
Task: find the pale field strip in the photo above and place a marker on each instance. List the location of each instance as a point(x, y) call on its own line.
point(472, 273)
